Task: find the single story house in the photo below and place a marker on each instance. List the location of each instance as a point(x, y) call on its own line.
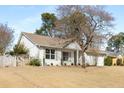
point(56, 51)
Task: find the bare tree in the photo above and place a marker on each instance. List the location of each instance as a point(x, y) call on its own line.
point(86, 24)
point(6, 36)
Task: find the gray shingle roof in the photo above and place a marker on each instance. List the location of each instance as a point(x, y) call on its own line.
point(41, 40)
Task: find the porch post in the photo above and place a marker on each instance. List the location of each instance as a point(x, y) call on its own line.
point(61, 58)
point(77, 57)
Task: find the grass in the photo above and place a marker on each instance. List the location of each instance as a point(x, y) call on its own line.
point(71, 77)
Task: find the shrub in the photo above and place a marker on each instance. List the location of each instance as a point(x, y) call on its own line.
point(65, 64)
point(108, 61)
point(51, 64)
point(79, 64)
point(87, 64)
point(72, 64)
point(11, 53)
point(20, 49)
point(35, 62)
point(119, 62)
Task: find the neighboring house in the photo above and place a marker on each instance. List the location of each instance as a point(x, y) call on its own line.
point(56, 51)
point(115, 57)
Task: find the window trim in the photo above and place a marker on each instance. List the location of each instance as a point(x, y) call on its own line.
point(50, 54)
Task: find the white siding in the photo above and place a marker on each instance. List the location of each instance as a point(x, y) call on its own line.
point(100, 61)
point(33, 50)
point(74, 46)
point(93, 60)
point(89, 59)
point(41, 55)
point(56, 61)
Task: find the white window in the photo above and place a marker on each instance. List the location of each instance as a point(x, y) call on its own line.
point(66, 56)
point(50, 54)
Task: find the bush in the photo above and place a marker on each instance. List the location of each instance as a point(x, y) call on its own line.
point(51, 64)
point(65, 64)
point(79, 64)
point(108, 61)
point(72, 64)
point(35, 62)
point(11, 53)
point(20, 49)
point(87, 64)
point(119, 62)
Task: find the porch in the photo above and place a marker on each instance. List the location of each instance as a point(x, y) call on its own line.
point(62, 57)
point(69, 57)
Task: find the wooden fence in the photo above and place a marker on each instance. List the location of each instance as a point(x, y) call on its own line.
point(7, 61)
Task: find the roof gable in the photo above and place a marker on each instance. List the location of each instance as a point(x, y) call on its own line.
point(46, 41)
point(73, 45)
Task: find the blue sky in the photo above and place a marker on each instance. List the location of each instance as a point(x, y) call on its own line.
point(27, 18)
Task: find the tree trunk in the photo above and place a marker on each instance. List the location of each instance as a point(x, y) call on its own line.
point(83, 61)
